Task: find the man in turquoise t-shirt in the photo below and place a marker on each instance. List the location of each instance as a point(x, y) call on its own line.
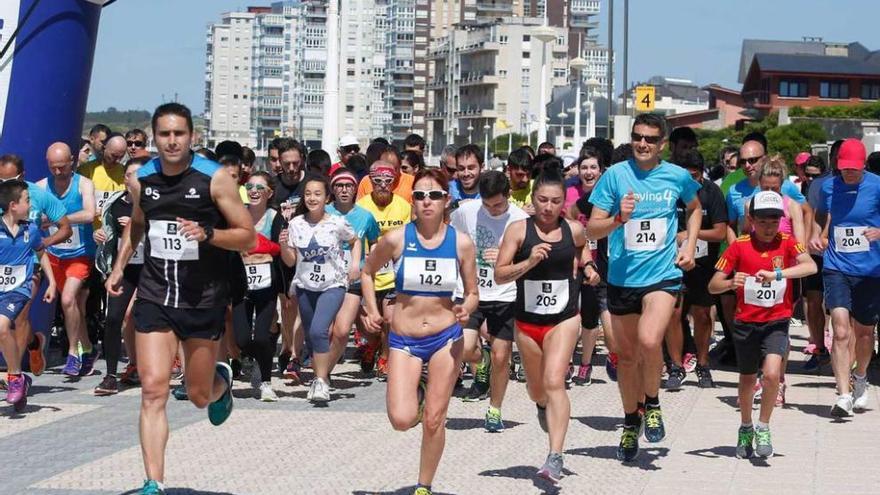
point(634, 205)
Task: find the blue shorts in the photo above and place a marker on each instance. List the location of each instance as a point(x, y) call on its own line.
point(11, 305)
point(424, 347)
point(858, 295)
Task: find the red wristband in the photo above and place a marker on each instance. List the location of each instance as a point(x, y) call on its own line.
point(618, 219)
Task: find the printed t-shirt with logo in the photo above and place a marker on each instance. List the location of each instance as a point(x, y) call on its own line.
point(107, 181)
point(758, 302)
point(643, 250)
point(396, 214)
point(319, 261)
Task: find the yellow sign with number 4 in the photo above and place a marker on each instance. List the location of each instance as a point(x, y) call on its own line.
point(645, 98)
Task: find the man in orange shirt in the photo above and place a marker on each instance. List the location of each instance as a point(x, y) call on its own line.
point(403, 183)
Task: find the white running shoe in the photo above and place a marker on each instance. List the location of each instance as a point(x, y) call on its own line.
point(860, 394)
point(322, 391)
point(843, 408)
point(267, 394)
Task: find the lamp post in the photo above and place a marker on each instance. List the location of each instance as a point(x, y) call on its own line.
point(577, 64)
point(562, 115)
point(329, 139)
point(486, 141)
point(544, 34)
point(470, 129)
point(592, 84)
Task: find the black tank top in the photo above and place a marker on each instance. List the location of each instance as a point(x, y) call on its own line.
point(547, 294)
point(179, 273)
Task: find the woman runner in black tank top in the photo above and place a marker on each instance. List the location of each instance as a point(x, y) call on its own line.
point(543, 254)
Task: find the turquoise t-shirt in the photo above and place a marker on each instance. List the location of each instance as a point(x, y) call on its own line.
point(364, 224)
point(642, 252)
point(743, 190)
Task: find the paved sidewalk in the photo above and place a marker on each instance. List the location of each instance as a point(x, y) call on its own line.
point(70, 442)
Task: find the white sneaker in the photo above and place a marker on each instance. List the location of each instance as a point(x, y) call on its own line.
point(322, 391)
point(860, 394)
point(267, 394)
point(311, 393)
point(843, 408)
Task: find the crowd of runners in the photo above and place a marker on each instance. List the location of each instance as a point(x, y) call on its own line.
point(197, 267)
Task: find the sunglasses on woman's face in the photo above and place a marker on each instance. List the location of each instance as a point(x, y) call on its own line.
point(259, 187)
point(433, 195)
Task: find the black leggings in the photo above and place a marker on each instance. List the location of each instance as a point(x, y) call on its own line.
point(254, 336)
point(116, 307)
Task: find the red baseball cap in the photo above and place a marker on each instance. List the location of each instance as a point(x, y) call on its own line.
point(851, 155)
point(801, 158)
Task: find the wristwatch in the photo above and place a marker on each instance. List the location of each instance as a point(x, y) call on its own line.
point(209, 233)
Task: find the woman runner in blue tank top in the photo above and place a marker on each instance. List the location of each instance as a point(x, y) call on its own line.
point(429, 258)
point(543, 254)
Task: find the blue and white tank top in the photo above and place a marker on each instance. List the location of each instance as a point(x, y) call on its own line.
point(80, 243)
point(427, 272)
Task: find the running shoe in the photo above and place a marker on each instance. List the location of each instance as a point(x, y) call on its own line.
point(763, 444)
point(311, 392)
point(220, 409)
point(37, 355)
point(569, 376)
point(780, 395)
point(817, 360)
point(794, 322)
point(368, 359)
point(494, 423)
point(267, 394)
point(745, 442)
point(236, 367)
point(179, 392)
point(542, 417)
point(584, 375)
point(628, 449)
point(108, 386)
point(130, 376)
point(759, 391)
point(478, 391)
point(17, 389)
point(73, 366)
point(860, 394)
point(283, 359)
point(422, 490)
point(843, 408)
point(382, 369)
point(655, 431)
point(676, 378)
point(292, 371)
point(520, 373)
point(152, 487)
point(552, 468)
point(177, 369)
point(322, 391)
point(611, 366)
point(88, 362)
point(689, 361)
point(704, 377)
point(514, 361)
point(810, 348)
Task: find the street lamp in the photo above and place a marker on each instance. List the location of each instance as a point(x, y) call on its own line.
point(562, 115)
point(544, 34)
point(486, 142)
point(578, 64)
point(470, 129)
point(592, 84)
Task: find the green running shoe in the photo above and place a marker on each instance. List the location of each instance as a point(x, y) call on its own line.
point(494, 423)
point(423, 490)
point(628, 449)
point(744, 442)
point(152, 487)
point(763, 444)
point(220, 409)
point(655, 431)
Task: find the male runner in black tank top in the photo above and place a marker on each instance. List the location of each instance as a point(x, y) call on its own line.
point(184, 287)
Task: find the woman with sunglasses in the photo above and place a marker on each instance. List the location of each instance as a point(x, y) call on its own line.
point(253, 319)
point(429, 257)
point(344, 185)
point(314, 243)
point(543, 254)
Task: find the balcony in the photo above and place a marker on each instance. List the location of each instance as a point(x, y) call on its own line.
point(477, 113)
point(590, 7)
point(476, 78)
point(401, 70)
point(501, 8)
point(757, 99)
point(438, 83)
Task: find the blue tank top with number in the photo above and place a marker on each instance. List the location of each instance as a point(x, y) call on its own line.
point(426, 272)
point(80, 243)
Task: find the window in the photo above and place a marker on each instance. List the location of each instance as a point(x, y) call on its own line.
point(526, 54)
point(871, 90)
point(560, 40)
point(558, 72)
point(349, 108)
point(502, 40)
point(502, 73)
point(527, 38)
point(793, 88)
point(834, 89)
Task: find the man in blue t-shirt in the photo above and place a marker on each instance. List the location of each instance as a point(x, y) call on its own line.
point(851, 270)
point(45, 208)
point(20, 241)
point(634, 205)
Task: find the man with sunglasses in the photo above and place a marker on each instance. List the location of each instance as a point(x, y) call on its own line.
point(403, 183)
point(634, 206)
point(136, 139)
point(348, 147)
point(45, 205)
point(390, 211)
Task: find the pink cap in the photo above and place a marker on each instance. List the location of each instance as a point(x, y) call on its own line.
point(851, 155)
point(802, 158)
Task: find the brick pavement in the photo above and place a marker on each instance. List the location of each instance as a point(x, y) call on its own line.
point(70, 442)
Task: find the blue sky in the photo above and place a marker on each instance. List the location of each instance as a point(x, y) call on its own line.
point(151, 49)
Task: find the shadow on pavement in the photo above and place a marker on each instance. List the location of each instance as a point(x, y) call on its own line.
point(645, 461)
point(10, 413)
point(601, 423)
point(461, 424)
point(528, 473)
point(715, 452)
point(407, 490)
point(181, 491)
point(820, 410)
point(48, 389)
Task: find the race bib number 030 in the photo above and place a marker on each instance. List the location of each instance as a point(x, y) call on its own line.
point(645, 234)
point(11, 277)
point(167, 243)
point(545, 297)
